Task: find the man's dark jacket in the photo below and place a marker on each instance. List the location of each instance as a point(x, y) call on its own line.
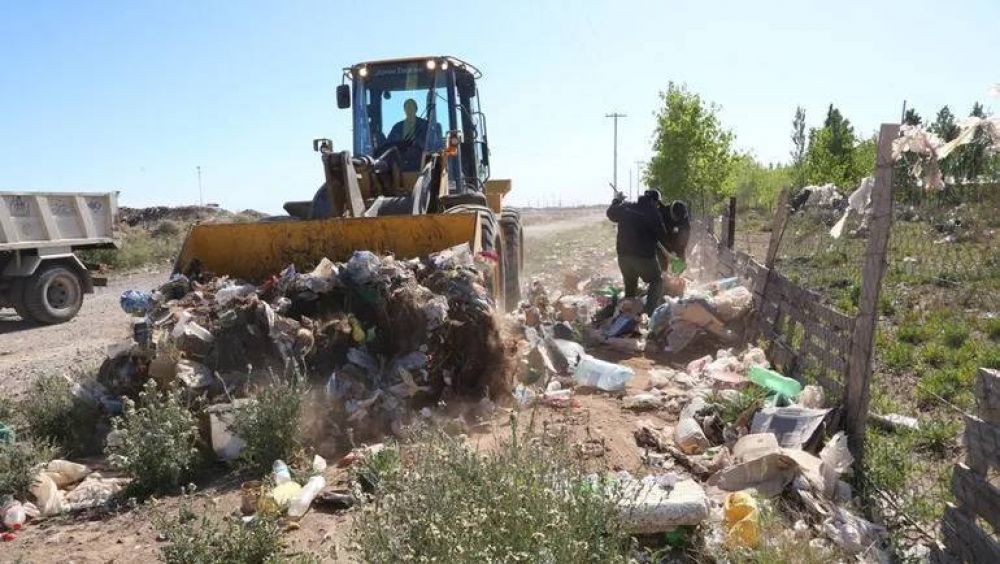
point(640, 227)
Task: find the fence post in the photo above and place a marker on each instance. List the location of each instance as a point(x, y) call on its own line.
point(777, 228)
point(731, 223)
point(862, 344)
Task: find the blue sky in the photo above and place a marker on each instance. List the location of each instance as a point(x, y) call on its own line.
point(132, 96)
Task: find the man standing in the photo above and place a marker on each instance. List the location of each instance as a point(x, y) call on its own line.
point(640, 230)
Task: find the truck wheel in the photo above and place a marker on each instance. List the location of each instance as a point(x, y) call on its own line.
point(53, 294)
point(513, 236)
point(17, 299)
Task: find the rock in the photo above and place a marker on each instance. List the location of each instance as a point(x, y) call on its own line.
point(642, 402)
point(689, 437)
point(647, 508)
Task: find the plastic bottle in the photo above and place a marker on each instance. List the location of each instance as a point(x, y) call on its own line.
point(301, 504)
point(13, 515)
point(280, 472)
point(606, 376)
point(775, 382)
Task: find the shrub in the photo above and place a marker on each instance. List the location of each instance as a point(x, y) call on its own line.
point(955, 335)
point(993, 328)
point(912, 332)
point(524, 501)
point(934, 354)
point(936, 436)
point(138, 248)
point(202, 540)
point(166, 228)
point(379, 468)
point(943, 384)
point(157, 439)
point(989, 357)
point(899, 356)
point(270, 427)
point(17, 466)
point(53, 413)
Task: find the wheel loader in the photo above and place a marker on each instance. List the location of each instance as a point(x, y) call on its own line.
point(417, 181)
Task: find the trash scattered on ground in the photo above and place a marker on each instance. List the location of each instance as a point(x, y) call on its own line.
point(649, 507)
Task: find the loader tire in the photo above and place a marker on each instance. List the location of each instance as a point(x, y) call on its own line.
point(465, 199)
point(513, 236)
point(491, 241)
point(53, 294)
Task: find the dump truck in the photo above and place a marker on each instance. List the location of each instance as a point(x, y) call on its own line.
point(416, 181)
point(41, 276)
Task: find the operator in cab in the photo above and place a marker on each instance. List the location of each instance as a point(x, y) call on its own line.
point(410, 135)
point(640, 232)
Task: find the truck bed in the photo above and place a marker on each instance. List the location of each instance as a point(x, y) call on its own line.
point(39, 220)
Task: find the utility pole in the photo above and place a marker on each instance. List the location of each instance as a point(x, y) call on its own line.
point(201, 196)
point(630, 183)
point(638, 174)
point(615, 116)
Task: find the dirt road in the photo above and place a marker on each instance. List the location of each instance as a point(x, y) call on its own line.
point(28, 350)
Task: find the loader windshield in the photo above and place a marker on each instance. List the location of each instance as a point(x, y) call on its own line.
point(396, 106)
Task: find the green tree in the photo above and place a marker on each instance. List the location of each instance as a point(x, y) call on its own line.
point(911, 117)
point(756, 185)
point(830, 156)
point(944, 125)
point(691, 150)
point(799, 147)
point(973, 159)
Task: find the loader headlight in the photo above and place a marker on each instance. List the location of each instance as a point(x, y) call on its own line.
point(444, 65)
point(363, 72)
point(431, 64)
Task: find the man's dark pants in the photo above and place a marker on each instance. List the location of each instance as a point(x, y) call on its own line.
point(634, 268)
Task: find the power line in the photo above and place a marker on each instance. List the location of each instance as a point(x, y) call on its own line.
point(615, 116)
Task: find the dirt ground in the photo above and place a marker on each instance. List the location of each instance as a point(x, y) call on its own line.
point(556, 241)
point(28, 350)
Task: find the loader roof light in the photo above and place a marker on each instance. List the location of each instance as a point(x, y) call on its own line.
point(363, 72)
point(444, 65)
point(431, 64)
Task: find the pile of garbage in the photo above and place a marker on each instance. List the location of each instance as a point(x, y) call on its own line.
point(772, 445)
point(605, 317)
point(385, 337)
point(743, 433)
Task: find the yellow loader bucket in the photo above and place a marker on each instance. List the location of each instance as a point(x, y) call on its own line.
point(254, 251)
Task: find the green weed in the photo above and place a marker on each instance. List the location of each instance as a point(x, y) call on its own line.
point(270, 426)
point(934, 354)
point(955, 335)
point(201, 540)
point(156, 441)
point(898, 356)
point(525, 501)
point(54, 414)
point(940, 384)
point(936, 436)
point(993, 328)
point(17, 466)
point(912, 332)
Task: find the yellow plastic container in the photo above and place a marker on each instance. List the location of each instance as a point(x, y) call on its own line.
point(742, 520)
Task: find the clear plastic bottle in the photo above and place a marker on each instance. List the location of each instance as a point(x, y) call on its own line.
point(13, 515)
point(606, 376)
point(280, 472)
point(301, 504)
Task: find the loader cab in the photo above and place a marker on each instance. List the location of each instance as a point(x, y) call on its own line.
point(418, 106)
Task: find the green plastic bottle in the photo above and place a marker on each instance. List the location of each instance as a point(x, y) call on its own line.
point(775, 382)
